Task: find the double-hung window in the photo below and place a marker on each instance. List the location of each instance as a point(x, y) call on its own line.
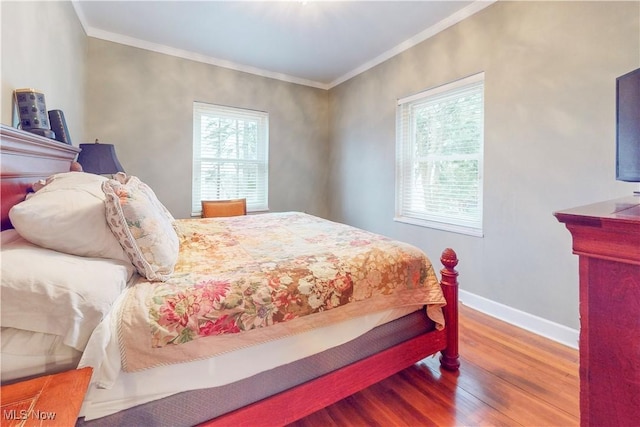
point(439, 157)
point(230, 155)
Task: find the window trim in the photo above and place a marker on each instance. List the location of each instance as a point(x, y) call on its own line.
point(199, 109)
point(475, 228)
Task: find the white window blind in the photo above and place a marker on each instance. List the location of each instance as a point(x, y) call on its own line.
point(439, 157)
point(230, 155)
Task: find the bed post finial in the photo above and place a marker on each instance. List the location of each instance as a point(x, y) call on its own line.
point(449, 259)
point(449, 283)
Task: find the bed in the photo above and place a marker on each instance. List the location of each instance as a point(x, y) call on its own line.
point(268, 364)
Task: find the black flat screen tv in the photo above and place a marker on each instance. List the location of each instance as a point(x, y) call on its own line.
point(628, 127)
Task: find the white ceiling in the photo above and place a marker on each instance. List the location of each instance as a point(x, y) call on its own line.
point(316, 43)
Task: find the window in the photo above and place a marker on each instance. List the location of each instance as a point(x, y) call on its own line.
point(230, 155)
point(439, 157)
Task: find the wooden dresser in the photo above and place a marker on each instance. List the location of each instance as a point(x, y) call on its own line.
point(606, 237)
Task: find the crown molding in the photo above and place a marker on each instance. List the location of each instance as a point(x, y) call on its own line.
point(451, 20)
point(193, 56)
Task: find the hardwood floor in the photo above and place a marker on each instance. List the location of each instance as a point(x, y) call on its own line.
point(508, 377)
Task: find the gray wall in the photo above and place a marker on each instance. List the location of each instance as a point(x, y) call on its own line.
point(142, 102)
point(550, 70)
point(44, 47)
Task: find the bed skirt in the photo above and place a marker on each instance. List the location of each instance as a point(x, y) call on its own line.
point(193, 407)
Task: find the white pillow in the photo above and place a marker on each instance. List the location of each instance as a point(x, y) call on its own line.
point(56, 293)
point(143, 228)
point(28, 354)
point(68, 215)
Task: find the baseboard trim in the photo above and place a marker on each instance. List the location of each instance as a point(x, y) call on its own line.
point(537, 325)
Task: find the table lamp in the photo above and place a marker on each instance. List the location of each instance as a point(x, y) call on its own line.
point(99, 158)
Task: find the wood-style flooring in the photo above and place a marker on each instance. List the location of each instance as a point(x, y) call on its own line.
point(508, 377)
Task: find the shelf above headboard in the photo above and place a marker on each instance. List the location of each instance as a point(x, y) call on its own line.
point(24, 159)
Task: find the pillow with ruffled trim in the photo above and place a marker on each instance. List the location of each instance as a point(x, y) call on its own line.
point(141, 225)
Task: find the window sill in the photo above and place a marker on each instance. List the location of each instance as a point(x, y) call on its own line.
point(453, 228)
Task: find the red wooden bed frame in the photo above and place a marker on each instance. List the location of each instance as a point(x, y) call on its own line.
point(26, 157)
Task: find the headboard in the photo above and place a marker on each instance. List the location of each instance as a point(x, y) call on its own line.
point(24, 159)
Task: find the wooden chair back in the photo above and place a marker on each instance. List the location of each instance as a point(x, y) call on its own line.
point(218, 208)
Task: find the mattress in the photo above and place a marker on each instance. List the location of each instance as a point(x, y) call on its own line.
point(193, 407)
point(249, 294)
point(242, 281)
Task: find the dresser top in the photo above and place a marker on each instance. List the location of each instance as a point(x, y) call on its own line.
point(624, 210)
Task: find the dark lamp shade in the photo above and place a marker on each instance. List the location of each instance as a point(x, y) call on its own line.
point(99, 158)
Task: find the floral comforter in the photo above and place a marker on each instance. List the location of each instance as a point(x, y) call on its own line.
point(245, 280)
